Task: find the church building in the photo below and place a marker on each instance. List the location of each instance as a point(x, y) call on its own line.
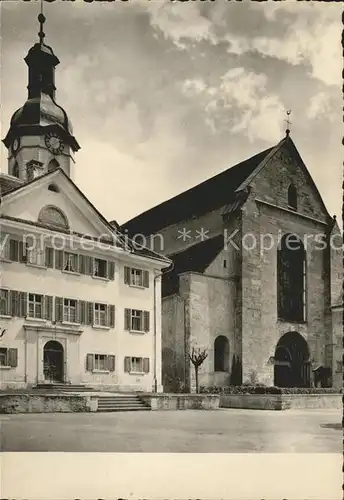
point(256, 279)
point(79, 303)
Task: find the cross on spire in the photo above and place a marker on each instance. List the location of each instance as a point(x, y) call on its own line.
point(41, 20)
point(288, 122)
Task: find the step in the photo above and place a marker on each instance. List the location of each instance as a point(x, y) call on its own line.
point(125, 408)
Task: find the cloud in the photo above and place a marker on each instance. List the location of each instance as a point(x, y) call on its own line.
point(319, 105)
point(239, 103)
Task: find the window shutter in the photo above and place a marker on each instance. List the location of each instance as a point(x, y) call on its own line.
point(22, 251)
point(89, 362)
point(83, 312)
point(127, 319)
point(146, 321)
point(111, 270)
point(12, 358)
point(126, 275)
point(58, 309)
point(127, 364)
point(111, 316)
point(78, 311)
point(14, 250)
point(14, 300)
point(111, 363)
point(49, 257)
point(59, 259)
point(82, 264)
point(90, 308)
point(22, 304)
point(146, 279)
point(48, 307)
point(88, 265)
point(146, 365)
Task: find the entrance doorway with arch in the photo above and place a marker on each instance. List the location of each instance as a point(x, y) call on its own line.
point(292, 364)
point(53, 361)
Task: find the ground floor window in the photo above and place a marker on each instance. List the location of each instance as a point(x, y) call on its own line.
point(339, 366)
point(136, 364)
point(100, 362)
point(8, 357)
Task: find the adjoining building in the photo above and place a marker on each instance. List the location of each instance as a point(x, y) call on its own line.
point(257, 278)
point(79, 303)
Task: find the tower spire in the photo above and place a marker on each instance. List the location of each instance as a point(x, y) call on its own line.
point(41, 20)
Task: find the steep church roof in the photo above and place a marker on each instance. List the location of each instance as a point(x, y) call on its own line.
point(209, 195)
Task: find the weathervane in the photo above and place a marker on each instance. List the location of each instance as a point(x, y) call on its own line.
point(288, 122)
point(41, 20)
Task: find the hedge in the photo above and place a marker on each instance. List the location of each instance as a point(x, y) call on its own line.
point(257, 389)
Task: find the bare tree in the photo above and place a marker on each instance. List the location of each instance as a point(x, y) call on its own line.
point(197, 356)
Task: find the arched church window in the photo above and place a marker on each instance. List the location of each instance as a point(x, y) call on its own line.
point(292, 197)
point(15, 170)
point(291, 279)
point(53, 216)
point(53, 165)
point(221, 354)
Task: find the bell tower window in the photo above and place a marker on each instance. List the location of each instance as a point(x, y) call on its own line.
point(53, 165)
point(34, 169)
point(15, 170)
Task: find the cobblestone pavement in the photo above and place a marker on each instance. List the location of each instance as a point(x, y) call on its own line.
point(223, 431)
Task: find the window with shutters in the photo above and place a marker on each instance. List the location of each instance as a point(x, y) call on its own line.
point(100, 314)
point(3, 356)
point(136, 365)
point(70, 262)
point(100, 362)
point(70, 311)
point(35, 306)
point(8, 357)
point(136, 277)
point(100, 268)
point(17, 251)
point(4, 302)
point(136, 320)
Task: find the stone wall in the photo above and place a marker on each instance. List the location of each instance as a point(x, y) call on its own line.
point(182, 401)
point(280, 401)
point(29, 403)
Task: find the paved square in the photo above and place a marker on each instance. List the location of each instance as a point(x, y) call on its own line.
point(222, 431)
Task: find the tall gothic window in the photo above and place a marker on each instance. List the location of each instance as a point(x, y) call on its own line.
point(291, 279)
point(15, 170)
point(221, 354)
point(292, 197)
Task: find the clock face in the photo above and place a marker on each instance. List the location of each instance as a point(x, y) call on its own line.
point(15, 145)
point(54, 143)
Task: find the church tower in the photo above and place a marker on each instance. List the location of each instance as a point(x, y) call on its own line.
point(40, 138)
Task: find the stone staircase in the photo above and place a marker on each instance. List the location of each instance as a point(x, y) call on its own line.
point(121, 402)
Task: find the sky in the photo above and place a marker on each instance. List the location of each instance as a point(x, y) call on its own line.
point(163, 95)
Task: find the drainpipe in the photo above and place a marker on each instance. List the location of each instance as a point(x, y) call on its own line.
point(156, 277)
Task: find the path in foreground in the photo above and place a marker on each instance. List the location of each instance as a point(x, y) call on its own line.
point(222, 431)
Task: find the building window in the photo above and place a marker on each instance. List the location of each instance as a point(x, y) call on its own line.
point(291, 279)
point(100, 362)
point(15, 170)
point(100, 268)
point(4, 302)
point(53, 165)
point(136, 320)
point(69, 311)
point(100, 314)
point(35, 306)
point(225, 264)
point(136, 365)
point(136, 277)
point(70, 262)
point(8, 357)
point(292, 197)
point(221, 354)
point(53, 216)
point(339, 366)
